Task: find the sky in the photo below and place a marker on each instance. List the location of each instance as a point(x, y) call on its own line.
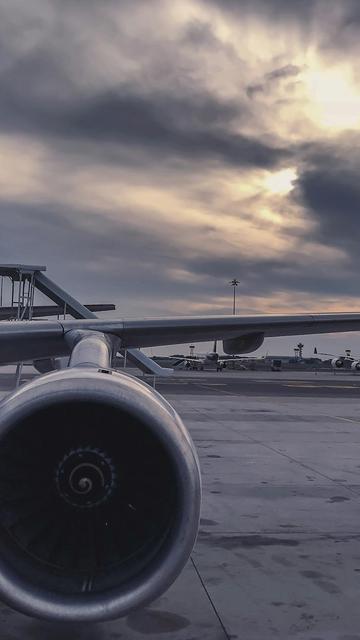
point(151, 151)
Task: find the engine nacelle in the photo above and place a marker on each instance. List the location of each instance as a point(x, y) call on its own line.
point(337, 363)
point(243, 344)
point(99, 496)
point(355, 365)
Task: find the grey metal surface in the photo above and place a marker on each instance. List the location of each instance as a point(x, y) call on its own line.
point(61, 297)
point(31, 586)
point(28, 340)
point(65, 304)
point(14, 270)
point(90, 349)
point(182, 613)
point(149, 332)
point(153, 332)
point(144, 363)
point(42, 311)
point(80, 311)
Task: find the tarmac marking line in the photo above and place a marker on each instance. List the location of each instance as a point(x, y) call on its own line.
point(227, 636)
point(346, 419)
point(216, 384)
point(320, 386)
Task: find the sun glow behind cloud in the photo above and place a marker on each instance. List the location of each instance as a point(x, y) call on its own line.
point(334, 98)
point(281, 182)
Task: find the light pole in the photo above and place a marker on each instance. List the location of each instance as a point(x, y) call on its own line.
point(234, 283)
point(300, 346)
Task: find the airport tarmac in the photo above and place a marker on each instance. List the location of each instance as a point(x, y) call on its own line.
point(278, 553)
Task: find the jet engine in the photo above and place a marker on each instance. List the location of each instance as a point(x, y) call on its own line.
point(99, 495)
point(355, 365)
point(337, 363)
point(243, 344)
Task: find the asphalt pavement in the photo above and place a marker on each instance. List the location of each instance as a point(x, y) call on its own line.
point(278, 552)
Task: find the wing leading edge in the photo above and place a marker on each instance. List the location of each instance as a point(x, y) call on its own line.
point(39, 339)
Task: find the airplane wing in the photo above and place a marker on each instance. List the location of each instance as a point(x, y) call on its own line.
point(39, 339)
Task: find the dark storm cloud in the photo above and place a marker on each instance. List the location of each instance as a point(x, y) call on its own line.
point(296, 9)
point(96, 256)
point(289, 272)
point(333, 23)
point(332, 195)
point(160, 125)
point(41, 96)
point(104, 260)
point(106, 237)
point(339, 40)
point(194, 125)
point(350, 17)
point(328, 188)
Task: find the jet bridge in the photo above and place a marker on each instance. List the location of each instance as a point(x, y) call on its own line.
point(26, 279)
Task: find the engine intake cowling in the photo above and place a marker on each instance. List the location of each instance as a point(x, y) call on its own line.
point(99, 496)
point(337, 363)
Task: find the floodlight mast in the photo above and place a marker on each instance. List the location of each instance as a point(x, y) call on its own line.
point(234, 283)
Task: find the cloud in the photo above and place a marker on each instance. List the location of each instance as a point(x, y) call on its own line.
point(275, 9)
point(90, 255)
point(286, 71)
point(166, 126)
point(253, 89)
point(275, 75)
point(140, 144)
point(193, 125)
point(51, 91)
point(333, 197)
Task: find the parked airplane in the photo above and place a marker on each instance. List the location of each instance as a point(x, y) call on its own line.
point(100, 481)
point(341, 362)
point(210, 359)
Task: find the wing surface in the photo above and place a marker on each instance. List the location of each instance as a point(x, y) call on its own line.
point(35, 339)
